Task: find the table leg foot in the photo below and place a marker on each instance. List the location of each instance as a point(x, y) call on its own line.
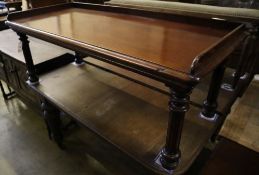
point(169, 161)
point(79, 59)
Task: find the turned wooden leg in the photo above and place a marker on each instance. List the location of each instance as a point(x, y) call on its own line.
point(178, 105)
point(32, 76)
point(52, 118)
point(243, 62)
point(252, 67)
point(210, 104)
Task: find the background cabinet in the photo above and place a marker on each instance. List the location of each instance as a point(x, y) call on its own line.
point(13, 73)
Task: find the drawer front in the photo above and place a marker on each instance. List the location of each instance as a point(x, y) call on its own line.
point(16, 78)
point(10, 70)
point(24, 89)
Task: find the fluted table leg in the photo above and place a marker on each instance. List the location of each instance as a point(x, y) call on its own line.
point(178, 106)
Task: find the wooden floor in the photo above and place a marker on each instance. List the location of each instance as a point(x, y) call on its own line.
point(242, 125)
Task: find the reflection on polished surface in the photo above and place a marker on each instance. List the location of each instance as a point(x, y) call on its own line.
point(172, 44)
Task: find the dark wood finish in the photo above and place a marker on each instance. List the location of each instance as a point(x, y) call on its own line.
point(13, 72)
point(13, 68)
point(249, 21)
point(210, 104)
point(199, 93)
point(242, 61)
point(246, 67)
point(52, 118)
point(224, 107)
point(110, 107)
point(131, 89)
point(167, 62)
point(149, 59)
point(178, 106)
point(246, 61)
point(251, 68)
point(14, 75)
point(42, 51)
point(78, 58)
point(243, 70)
point(32, 76)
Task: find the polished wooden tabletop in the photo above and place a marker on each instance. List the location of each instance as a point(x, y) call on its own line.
point(172, 44)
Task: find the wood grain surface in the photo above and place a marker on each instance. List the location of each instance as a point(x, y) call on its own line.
point(108, 106)
point(171, 44)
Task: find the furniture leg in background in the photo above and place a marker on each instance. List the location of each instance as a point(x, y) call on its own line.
point(210, 104)
point(247, 66)
point(78, 58)
point(6, 95)
point(246, 61)
point(252, 65)
point(52, 119)
point(242, 63)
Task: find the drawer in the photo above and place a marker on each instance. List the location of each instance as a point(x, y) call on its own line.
point(14, 73)
point(24, 90)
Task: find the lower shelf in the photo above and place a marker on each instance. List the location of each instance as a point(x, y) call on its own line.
point(128, 115)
